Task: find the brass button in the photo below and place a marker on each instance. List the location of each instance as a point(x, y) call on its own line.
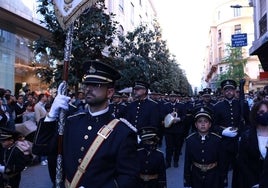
point(79, 160)
point(89, 127)
point(82, 148)
point(203, 151)
point(86, 137)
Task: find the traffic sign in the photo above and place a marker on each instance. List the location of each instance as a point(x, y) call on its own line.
point(239, 40)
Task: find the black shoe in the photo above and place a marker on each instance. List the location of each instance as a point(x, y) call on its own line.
point(168, 165)
point(176, 164)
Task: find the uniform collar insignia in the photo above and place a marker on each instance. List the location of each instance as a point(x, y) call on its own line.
point(92, 69)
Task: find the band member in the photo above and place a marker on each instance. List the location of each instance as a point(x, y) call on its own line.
point(174, 132)
point(13, 160)
point(152, 161)
point(117, 107)
point(98, 150)
point(143, 111)
point(228, 124)
point(202, 165)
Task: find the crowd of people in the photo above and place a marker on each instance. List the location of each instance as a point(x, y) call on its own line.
point(116, 136)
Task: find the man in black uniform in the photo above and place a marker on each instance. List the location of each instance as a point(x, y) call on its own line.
point(143, 111)
point(98, 150)
point(117, 107)
point(228, 124)
point(175, 130)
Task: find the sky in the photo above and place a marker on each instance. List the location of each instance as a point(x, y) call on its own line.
point(185, 27)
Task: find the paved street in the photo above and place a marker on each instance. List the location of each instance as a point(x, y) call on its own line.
point(37, 176)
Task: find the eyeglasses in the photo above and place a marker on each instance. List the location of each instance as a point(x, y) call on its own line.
point(92, 86)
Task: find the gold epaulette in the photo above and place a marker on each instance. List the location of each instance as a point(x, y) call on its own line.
point(190, 135)
point(216, 134)
point(78, 114)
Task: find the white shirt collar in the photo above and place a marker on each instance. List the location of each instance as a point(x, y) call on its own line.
point(99, 112)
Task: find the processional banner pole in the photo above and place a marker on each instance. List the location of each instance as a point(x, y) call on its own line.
point(66, 11)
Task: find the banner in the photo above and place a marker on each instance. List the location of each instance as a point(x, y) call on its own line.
point(67, 11)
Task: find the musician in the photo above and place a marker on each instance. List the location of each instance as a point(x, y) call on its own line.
point(143, 111)
point(202, 164)
point(228, 124)
point(152, 160)
point(13, 160)
point(113, 162)
point(174, 133)
point(117, 107)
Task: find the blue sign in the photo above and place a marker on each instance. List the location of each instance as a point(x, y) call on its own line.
point(239, 40)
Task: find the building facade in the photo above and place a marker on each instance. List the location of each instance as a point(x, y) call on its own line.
point(230, 20)
point(20, 26)
point(260, 44)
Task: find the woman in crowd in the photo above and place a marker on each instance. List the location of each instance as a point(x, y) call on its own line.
point(253, 144)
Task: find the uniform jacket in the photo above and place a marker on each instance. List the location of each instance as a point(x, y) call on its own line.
point(143, 113)
point(118, 109)
point(151, 163)
point(180, 109)
point(14, 161)
point(202, 152)
point(228, 114)
point(115, 164)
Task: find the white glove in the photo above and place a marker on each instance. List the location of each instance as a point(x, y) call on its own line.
point(2, 169)
point(255, 186)
point(229, 133)
point(60, 102)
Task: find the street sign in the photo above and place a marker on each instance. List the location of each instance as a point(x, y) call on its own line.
point(239, 40)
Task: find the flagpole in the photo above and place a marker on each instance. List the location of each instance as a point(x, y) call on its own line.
point(62, 115)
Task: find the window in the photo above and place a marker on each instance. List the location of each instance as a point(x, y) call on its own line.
point(219, 35)
point(221, 69)
point(237, 29)
point(220, 54)
point(237, 12)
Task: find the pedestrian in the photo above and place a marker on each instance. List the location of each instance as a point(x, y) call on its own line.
point(13, 160)
point(228, 123)
point(152, 161)
point(111, 163)
point(202, 163)
point(252, 148)
point(264, 174)
point(40, 112)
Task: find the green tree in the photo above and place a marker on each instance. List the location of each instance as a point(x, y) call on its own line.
point(93, 32)
point(145, 56)
point(141, 54)
point(235, 63)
